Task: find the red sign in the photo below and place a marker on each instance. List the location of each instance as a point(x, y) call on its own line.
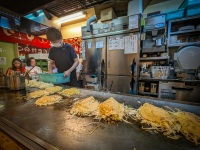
point(23, 38)
point(76, 43)
point(28, 49)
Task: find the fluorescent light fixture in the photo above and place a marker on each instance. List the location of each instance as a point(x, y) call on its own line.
point(72, 17)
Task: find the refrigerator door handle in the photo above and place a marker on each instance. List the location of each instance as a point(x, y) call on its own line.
point(108, 59)
point(102, 73)
point(110, 86)
point(182, 88)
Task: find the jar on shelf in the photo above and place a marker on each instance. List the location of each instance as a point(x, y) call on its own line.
point(141, 86)
point(154, 87)
point(147, 87)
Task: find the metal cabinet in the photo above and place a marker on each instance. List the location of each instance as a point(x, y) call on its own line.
point(183, 91)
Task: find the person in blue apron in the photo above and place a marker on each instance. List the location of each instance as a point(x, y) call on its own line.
point(62, 55)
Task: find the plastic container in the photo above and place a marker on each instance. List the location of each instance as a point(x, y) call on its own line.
point(45, 69)
point(92, 86)
point(91, 79)
point(56, 78)
point(193, 10)
point(134, 7)
point(44, 63)
point(189, 3)
point(192, 2)
point(38, 63)
point(175, 14)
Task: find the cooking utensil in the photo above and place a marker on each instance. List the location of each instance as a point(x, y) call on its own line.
point(16, 82)
point(3, 79)
point(102, 73)
point(110, 86)
point(159, 42)
point(132, 82)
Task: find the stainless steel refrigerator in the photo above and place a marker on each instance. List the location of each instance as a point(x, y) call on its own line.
point(112, 68)
point(109, 54)
point(94, 59)
point(119, 72)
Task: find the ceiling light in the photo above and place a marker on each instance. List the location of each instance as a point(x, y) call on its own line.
point(72, 17)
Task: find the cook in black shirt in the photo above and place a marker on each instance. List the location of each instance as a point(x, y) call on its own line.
point(62, 55)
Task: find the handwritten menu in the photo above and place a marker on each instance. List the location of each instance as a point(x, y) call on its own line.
point(131, 44)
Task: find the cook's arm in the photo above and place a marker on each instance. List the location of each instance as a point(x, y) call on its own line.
point(51, 63)
point(75, 64)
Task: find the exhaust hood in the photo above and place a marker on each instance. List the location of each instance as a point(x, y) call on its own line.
point(13, 21)
point(163, 6)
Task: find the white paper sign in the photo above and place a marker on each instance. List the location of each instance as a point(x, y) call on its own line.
point(2, 60)
point(99, 44)
point(83, 43)
point(83, 55)
point(110, 44)
point(121, 43)
point(89, 45)
point(131, 45)
point(116, 43)
point(133, 22)
point(83, 50)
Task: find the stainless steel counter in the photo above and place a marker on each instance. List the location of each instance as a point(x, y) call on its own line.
point(169, 80)
point(54, 125)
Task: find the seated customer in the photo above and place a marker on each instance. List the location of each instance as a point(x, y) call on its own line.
point(16, 67)
point(31, 67)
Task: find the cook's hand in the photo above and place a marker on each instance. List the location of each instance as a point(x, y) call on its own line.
point(67, 73)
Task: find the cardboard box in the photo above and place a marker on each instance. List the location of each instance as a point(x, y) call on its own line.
point(119, 7)
point(107, 14)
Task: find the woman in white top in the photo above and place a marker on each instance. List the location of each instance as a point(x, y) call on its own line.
point(31, 67)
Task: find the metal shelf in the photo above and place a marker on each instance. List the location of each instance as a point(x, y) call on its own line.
point(153, 49)
point(182, 44)
point(186, 31)
point(150, 30)
point(154, 58)
point(149, 79)
point(148, 93)
point(184, 19)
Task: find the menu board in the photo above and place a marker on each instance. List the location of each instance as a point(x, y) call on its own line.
point(116, 43)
